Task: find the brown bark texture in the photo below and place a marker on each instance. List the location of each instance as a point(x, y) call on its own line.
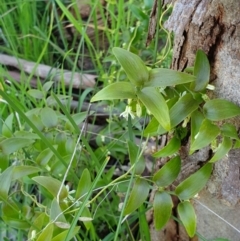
point(214, 27)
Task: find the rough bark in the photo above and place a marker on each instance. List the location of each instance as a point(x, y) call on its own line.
point(213, 26)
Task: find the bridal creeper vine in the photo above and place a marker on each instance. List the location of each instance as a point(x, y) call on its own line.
point(173, 100)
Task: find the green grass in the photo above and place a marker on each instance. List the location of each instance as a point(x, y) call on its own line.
point(37, 31)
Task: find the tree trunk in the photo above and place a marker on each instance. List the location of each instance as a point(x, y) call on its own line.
point(214, 27)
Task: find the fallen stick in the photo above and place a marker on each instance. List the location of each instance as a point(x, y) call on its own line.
point(76, 80)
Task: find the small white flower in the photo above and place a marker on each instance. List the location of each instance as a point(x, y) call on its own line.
point(128, 111)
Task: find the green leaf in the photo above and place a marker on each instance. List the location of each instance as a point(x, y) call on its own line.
point(49, 117)
point(229, 130)
point(138, 195)
point(168, 173)
point(22, 171)
point(52, 185)
point(10, 145)
point(222, 149)
point(26, 134)
point(219, 109)
point(7, 126)
point(171, 148)
point(196, 122)
point(162, 208)
point(84, 184)
point(193, 184)
point(188, 217)
point(44, 157)
point(62, 236)
point(46, 234)
point(201, 71)
point(156, 104)
point(135, 158)
point(184, 107)
point(134, 67)
point(5, 180)
point(47, 86)
point(167, 77)
point(154, 128)
point(56, 213)
point(207, 133)
point(86, 218)
point(36, 94)
point(118, 90)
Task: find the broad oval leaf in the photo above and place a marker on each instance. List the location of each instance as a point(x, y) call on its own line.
point(46, 234)
point(193, 184)
point(118, 90)
point(153, 128)
point(135, 158)
point(222, 149)
point(229, 130)
point(156, 104)
point(207, 133)
point(52, 185)
point(62, 236)
point(44, 157)
point(188, 217)
point(36, 94)
point(219, 109)
point(49, 117)
point(134, 67)
point(56, 213)
point(184, 107)
point(168, 173)
point(167, 77)
point(22, 171)
point(201, 71)
point(171, 148)
point(84, 184)
point(138, 195)
point(10, 145)
point(162, 208)
point(5, 180)
point(196, 122)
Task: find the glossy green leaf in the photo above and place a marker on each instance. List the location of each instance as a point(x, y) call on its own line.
point(229, 130)
point(10, 145)
point(56, 214)
point(138, 195)
point(219, 109)
point(184, 107)
point(207, 133)
point(194, 183)
point(62, 236)
point(171, 148)
point(84, 184)
point(118, 90)
point(7, 126)
point(22, 171)
point(188, 217)
point(46, 234)
point(135, 158)
point(52, 185)
point(167, 77)
point(156, 104)
point(196, 122)
point(168, 173)
point(5, 180)
point(162, 208)
point(201, 71)
point(154, 128)
point(49, 117)
point(222, 149)
point(44, 157)
point(134, 67)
